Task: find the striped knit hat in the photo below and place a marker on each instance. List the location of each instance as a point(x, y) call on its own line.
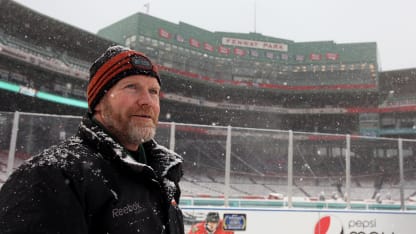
point(116, 63)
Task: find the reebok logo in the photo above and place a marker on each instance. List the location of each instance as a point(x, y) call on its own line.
point(129, 208)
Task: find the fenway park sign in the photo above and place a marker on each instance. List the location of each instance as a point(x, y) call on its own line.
point(265, 45)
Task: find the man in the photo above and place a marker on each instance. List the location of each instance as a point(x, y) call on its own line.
point(211, 225)
point(112, 177)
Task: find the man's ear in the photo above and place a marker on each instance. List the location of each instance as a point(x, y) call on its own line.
point(98, 107)
point(98, 110)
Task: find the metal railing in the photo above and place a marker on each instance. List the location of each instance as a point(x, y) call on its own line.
point(228, 162)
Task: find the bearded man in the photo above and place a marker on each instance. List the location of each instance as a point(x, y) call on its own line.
point(112, 176)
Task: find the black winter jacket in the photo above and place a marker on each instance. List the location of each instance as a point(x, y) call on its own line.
point(91, 184)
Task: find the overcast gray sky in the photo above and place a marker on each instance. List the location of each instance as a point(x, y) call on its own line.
point(389, 23)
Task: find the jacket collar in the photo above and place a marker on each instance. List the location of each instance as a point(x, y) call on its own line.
point(96, 136)
point(161, 160)
point(164, 165)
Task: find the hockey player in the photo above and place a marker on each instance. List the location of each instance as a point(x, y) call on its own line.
point(211, 225)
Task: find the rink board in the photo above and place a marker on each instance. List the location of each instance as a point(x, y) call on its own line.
point(305, 221)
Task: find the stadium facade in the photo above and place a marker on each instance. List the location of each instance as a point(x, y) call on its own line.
point(305, 86)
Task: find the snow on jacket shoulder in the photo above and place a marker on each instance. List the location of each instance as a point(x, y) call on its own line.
point(90, 184)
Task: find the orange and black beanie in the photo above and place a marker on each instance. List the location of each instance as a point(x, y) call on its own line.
point(116, 63)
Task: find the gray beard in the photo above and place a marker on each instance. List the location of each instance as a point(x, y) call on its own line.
point(131, 135)
point(140, 135)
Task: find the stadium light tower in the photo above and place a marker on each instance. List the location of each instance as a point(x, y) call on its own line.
point(255, 16)
point(147, 6)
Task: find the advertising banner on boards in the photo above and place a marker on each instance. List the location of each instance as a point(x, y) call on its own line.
point(255, 221)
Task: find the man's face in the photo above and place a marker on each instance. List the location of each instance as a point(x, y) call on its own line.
point(212, 226)
point(130, 110)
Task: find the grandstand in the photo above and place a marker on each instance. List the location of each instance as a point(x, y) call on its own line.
point(220, 78)
point(217, 79)
point(259, 167)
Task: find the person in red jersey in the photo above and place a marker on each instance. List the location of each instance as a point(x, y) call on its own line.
point(211, 225)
